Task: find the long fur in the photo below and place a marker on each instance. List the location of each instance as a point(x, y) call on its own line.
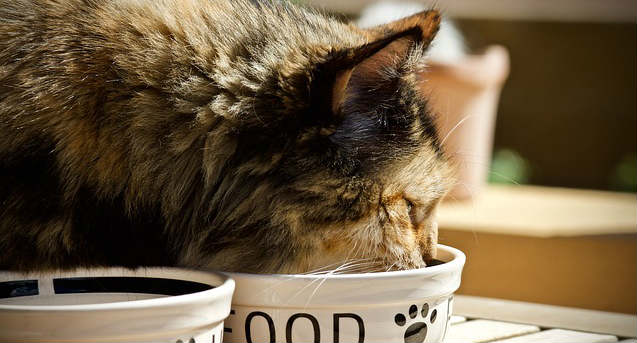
point(197, 133)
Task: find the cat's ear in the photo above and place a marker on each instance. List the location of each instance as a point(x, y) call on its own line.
point(421, 27)
point(388, 46)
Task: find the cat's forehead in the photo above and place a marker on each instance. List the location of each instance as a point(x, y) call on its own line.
point(426, 174)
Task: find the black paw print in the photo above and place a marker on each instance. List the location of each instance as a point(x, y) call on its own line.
point(417, 331)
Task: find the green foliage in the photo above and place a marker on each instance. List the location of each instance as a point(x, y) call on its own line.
point(508, 166)
point(624, 177)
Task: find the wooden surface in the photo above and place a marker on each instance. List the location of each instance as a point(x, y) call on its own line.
point(546, 316)
point(542, 212)
point(593, 272)
point(493, 320)
point(481, 330)
point(544, 245)
point(559, 335)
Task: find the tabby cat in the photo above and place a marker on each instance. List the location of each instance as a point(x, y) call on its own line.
point(250, 136)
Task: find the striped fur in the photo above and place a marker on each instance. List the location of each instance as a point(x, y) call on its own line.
point(237, 135)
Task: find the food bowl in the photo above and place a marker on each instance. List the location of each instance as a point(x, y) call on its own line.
point(114, 305)
point(401, 306)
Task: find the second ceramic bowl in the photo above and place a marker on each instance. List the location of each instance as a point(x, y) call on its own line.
point(404, 306)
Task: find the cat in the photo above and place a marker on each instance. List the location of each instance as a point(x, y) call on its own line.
point(448, 46)
point(252, 136)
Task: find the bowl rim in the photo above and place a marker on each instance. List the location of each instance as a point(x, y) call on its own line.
point(222, 286)
point(457, 261)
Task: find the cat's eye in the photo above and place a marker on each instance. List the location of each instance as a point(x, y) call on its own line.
point(413, 212)
point(410, 206)
point(418, 214)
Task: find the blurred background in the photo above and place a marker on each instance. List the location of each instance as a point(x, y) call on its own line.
point(538, 98)
point(567, 114)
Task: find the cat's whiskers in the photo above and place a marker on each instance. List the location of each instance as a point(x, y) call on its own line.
point(349, 266)
point(460, 122)
point(341, 266)
point(323, 279)
point(488, 165)
point(304, 288)
point(366, 267)
point(320, 269)
point(320, 280)
point(323, 270)
point(360, 267)
point(390, 267)
point(326, 268)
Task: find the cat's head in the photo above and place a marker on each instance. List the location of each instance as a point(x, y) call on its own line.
point(361, 176)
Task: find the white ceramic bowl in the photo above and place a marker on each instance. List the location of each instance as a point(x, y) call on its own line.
point(114, 305)
point(404, 306)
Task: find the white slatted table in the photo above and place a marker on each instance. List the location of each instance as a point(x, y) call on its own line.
point(480, 319)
